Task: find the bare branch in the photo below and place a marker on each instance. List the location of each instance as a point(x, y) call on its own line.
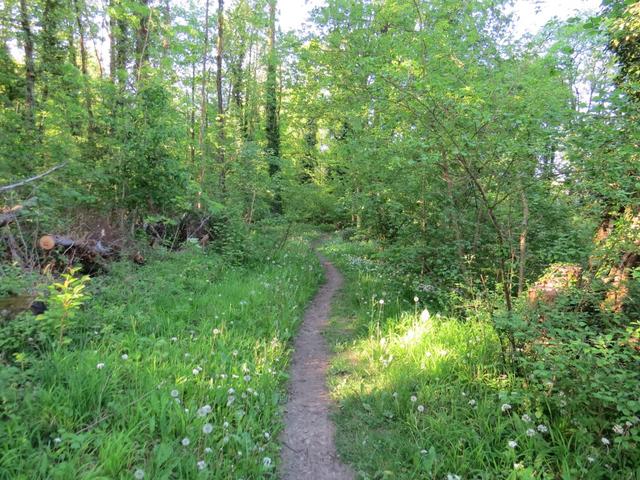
point(32, 179)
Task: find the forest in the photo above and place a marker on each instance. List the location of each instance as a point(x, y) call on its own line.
point(178, 178)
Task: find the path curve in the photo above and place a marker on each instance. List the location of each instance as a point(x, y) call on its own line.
point(309, 451)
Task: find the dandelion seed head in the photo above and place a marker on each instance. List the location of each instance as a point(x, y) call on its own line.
point(531, 432)
point(207, 428)
point(421, 408)
point(542, 428)
point(512, 444)
point(505, 407)
point(526, 418)
point(201, 465)
point(266, 461)
point(124, 356)
point(185, 442)
point(605, 441)
point(175, 393)
point(100, 366)
point(138, 474)
point(414, 399)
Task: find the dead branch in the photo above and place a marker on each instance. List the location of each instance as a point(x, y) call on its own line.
point(32, 179)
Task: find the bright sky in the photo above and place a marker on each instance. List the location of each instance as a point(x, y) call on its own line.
point(532, 14)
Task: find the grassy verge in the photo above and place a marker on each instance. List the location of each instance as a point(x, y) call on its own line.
point(173, 370)
point(424, 396)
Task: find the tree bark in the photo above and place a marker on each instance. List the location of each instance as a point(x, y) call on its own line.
point(203, 103)
point(272, 128)
point(523, 242)
point(30, 69)
point(142, 40)
point(220, 118)
point(84, 67)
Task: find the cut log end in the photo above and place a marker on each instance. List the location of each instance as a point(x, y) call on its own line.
point(47, 242)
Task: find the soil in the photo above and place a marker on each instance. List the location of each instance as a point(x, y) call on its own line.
point(309, 450)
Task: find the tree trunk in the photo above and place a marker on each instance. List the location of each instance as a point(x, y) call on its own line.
point(523, 242)
point(220, 118)
point(84, 66)
point(30, 69)
point(272, 129)
point(142, 40)
point(203, 104)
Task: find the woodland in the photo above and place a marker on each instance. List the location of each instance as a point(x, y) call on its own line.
point(167, 166)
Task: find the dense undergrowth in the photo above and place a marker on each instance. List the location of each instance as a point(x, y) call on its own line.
point(172, 370)
point(432, 396)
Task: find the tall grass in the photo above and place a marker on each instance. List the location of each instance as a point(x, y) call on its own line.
point(175, 370)
point(425, 396)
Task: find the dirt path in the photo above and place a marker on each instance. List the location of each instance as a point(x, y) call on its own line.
point(309, 451)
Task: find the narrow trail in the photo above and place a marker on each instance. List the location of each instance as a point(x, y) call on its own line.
point(309, 451)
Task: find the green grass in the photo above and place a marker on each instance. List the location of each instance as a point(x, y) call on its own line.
point(171, 338)
point(427, 398)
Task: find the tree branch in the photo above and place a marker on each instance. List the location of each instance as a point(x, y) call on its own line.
point(32, 179)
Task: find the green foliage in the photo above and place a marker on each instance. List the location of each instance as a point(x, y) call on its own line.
point(65, 299)
point(429, 396)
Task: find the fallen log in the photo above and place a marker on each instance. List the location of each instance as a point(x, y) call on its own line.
point(49, 242)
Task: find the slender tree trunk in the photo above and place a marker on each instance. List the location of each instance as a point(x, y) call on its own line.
point(192, 143)
point(84, 66)
point(112, 42)
point(273, 127)
point(523, 242)
point(203, 103)
point(142, 40)
point(272, 130)
point(30, 70)
point(220, 118)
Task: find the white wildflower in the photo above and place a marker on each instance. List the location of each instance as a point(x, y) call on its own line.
point(472, 403)
point(207, 428)
point(225, 425)
point(195, 371)
point(531, 432)
point(247, 378)
point(202, 465)
point(208, 450)
point(57, 440)
point(100, 366)
point(381, 301)
point(518, 466)
point(421, 408)
point(619, 429)
point(416, 299)
point(505, 407)
point(451, 476)
point(542, 428)
point(124, 356)
point(175, 393)
point(216, 331)
point(138, 474)
point(267, 435)
point(591, 459)
point(414, 399)
point(526, 418)
point(605, 441)
point(231, 391)
point(425, 315)
point(174, 339)
point(266, 461)
point(512, 444)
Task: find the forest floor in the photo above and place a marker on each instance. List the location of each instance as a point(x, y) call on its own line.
point(309, 445)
